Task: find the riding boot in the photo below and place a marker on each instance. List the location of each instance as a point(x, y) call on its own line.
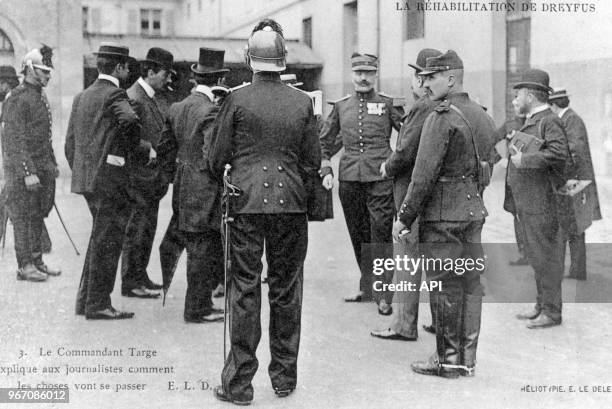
point(472, 311)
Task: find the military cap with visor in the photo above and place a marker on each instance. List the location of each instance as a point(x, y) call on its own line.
point(444, 62)
point(364, 62)
point(422, 57)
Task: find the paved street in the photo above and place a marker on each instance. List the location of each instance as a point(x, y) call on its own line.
point(340, 366)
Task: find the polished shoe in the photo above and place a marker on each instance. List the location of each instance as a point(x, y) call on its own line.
point(283, 392)
point(150, 285)
point(213, 316)
point(521, 261)
point(139, 292)
point(528, 315)
point(384, 308)
point(225, 397)
point(219, 291)
point(109, 314)
point(43, 268)
point(542, 321)
point(359, 297)
point(432, 367)
point(30, 273)
point(391, 335)
point(430, 328)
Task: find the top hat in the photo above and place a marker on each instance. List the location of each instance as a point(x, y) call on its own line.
point(210, 61)
point(421, 60)
point(161, 57)
point(443, 62)
point(534, 79)
point(364, 62)
point(8, 72)
point(290, 79)
point(108, 49)
point(558, 93)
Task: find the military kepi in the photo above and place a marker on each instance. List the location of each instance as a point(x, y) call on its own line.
point(558, 93)
point(421, 60)
point(534, 79)
point(447, 61)
point(364, 62)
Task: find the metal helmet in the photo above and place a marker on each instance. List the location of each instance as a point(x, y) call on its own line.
point(38, 58)
point(266, 51)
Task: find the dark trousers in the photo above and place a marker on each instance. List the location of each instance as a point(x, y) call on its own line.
point(577, 249)
point(27, 210)
point(286, 240)
point(519, 234)
point(368, 211)
point(110, 215)
point(543, 248)
point(204, 264)
point(139, 236)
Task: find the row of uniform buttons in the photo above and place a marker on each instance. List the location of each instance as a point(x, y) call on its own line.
point(267, 185)
point(360, 124)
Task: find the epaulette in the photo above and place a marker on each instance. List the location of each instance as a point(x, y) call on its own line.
point(237, 87)
point(338, 100)
point(444, 106)
point(397, 101)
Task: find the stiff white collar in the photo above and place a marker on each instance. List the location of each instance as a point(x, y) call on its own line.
point(534, 111)
point(203, 89)
point(562, 112)
point(110, 78)
point(147, 88)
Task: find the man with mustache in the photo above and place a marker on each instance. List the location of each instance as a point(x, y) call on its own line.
point(362, 124)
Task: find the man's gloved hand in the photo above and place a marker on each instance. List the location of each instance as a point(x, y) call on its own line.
point(516, 156)
point(32, 182)
point(328, 181)
point(383, 170)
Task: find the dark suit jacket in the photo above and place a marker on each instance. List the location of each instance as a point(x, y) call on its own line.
point(578, 140)
point(102, 123)
point(196, 195)
point(443, 185)
point(400, 163)
point(541, 172)
point(501, 134)
point(267, 132)
point(150, 181)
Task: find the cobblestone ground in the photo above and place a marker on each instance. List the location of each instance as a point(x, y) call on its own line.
point(340, 365)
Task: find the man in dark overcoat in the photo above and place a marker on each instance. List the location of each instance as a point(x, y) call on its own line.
point(149, 177)
point(196, 219)
point(266, 132)
point(103, 134)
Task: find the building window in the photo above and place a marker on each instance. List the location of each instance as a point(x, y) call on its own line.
point(6, 46)
point(307, 31)
point(150, 22)
point(414, 21)
point(85, 16)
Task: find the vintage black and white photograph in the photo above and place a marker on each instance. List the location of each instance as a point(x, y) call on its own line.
point(305, 204)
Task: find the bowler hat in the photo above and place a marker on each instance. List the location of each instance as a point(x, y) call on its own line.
point(108, 49)
point(8, 72)
point(558, 93)
point(444, 62)
point(534, 79)
point(161, 57)
point(364, 62)
point(210, 61)
point(421, 60)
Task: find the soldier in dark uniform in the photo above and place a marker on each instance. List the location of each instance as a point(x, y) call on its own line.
point(30, 165)
point(582, 169)
point(533, 176)
point(266, 131)
point(399, 166)
point(445, 192)
point(103, 132)
point(149, 179)
point(362, 124)
point(196, 218)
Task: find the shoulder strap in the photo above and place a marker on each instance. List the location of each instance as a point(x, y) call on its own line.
point(458, 111)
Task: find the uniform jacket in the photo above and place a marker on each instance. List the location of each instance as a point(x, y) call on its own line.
point(26, 134)
point(533, 183)
point(267, 132)
point(443, 185)
point(400, 163)
point(150, 181)
point(362, 124)
point(102, 123)
point(581, 154)
point(196, 195)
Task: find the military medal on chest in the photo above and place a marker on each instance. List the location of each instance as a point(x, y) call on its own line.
point(376, 108)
